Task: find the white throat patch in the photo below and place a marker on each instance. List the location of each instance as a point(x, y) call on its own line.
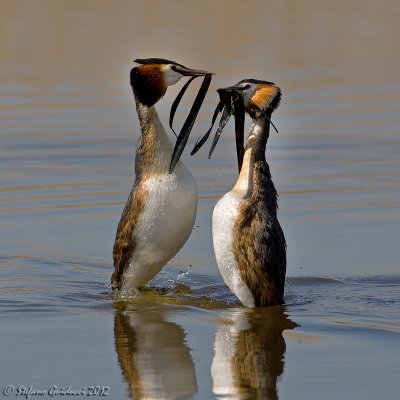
point(170, 76)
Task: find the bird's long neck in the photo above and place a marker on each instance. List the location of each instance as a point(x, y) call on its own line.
point(254, 152)
point(154, 149)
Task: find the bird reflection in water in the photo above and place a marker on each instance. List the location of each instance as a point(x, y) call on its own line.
point(153, 356)
point(249, 353)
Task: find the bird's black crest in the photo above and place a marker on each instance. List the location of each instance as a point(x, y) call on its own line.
point(147, 61)
point(254, 81)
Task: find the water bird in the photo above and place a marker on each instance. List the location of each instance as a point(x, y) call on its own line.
point(160, 211)
point(249, 243)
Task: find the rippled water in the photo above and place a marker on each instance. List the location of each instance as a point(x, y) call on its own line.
point(67, 134)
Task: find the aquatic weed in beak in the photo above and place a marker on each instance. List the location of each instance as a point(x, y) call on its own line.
point(231, 103)
point(191, 118)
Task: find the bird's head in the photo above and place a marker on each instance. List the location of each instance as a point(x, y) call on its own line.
point(149, 82)
point(259, 98)
point(252, 96)
point(152, 77)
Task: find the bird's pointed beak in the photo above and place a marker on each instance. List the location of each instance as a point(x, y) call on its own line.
point(191, 118)
point(194, 72)
point(231, 89)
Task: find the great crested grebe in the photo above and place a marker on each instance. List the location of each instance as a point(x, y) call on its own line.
point(249, 243)
point(160, 212)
